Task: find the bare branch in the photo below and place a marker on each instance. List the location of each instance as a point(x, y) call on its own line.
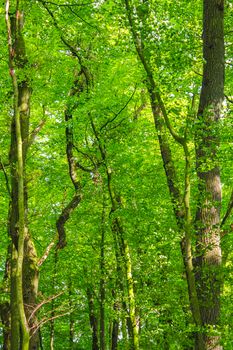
point(47, 251)
point(43, 303)
point(35, 132)
point(45, 320)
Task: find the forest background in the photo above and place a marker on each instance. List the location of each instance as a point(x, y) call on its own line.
point(112, 141)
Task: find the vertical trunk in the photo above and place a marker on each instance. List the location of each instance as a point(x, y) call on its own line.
point(30, 286)
point(115, 324)
point(127, 269)
point(102, 279)
point(207, 142)
point(71, 330)
point(93, 320)
point(5, 313)
point(18, 207)
point(181, 210)
point(53, 301)
point(5, 317)
point(19, 326)
point(115, 330)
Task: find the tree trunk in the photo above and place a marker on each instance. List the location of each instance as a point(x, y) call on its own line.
point(93, 320)
point(5, 310)
point(102, 278)
point(71, 320)
point(5, 317)
point(115, 324)
point(208, 275)
point(18, 205)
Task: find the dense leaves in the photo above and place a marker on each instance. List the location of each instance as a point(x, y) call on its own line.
point(113, 134)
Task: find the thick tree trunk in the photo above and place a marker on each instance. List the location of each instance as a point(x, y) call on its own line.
point(207, 142)
point(19, 136)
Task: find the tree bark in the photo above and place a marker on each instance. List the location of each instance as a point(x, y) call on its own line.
point(18, 206)
point(102, 278)
point(93, 320)
point(208, 267)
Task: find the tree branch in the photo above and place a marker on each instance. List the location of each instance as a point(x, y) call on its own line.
point(67, 5)
point(229, 210)
point(64, 216)
point(47, 251)
point(120, 111)
point(43, 303)
point(35, 132)
point(228, 99)
point(2, 167)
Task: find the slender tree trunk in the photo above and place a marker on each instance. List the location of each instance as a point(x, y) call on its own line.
point(208, 267)
point(71, 330)
point(52, 333)
point(93, 320)
point(115, 324)
point(5, 313)
point(102, 278)
point(115, 331)
point(5, 317)
point(123, 258)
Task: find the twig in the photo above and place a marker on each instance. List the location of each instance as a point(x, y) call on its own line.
point(120, 111)
point(229, 210)
point(35, 132)
point(228, 99)
point(43, 303)
point(2, 167)
point(82, 19)
point(68, 5)
point(43, 321)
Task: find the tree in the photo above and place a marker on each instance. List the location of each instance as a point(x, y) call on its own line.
point(120, 173)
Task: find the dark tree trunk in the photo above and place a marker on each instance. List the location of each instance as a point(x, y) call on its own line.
point(5, 317)
point(93, 320)
point(115, 330)
point(207, 142)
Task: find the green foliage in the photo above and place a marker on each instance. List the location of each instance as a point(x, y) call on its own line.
point(119, 106)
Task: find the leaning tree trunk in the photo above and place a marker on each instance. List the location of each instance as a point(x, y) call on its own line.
point(207, 143)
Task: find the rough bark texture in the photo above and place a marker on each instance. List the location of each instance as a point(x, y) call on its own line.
point(22, 101)
point(204, 291)
point(207, 142)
